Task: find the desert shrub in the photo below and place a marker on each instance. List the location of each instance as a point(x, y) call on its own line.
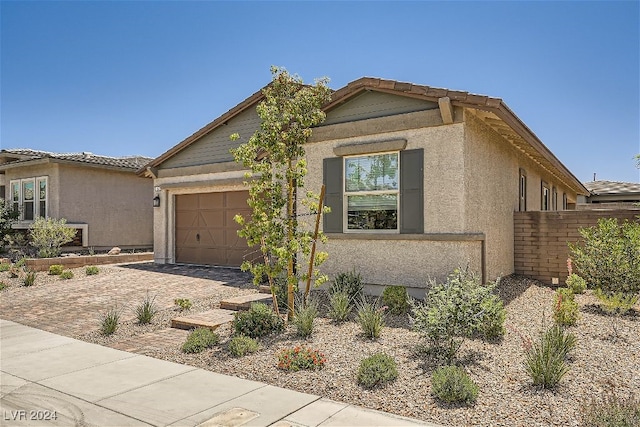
point(8, 216)
point(614, 411)
point(182, 303)
point(29, 278)
point(576, 283)
point(258, 321)
point(340, 306)
point(299, 357)
point(616, 303)
point(3, 286)
point(565, 308)
point(608, 258)
point(109, 321)
point(304, 318)
point(47, 235)
point(91, 270)
point(16, 271)
point(146, 310)
point(349, 282)
point(396, 298)
point(4, 267)
point(241, 345)
point(376, 370)
point(451, 384)
point(56, 269)
point(545, 359)
point(199, 340)
point(66, 275)
point(458, 309)
point(370, 318)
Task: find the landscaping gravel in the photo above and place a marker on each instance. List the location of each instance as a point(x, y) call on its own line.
point(602, 364)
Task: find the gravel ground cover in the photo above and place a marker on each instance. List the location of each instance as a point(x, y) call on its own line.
point(602, 364)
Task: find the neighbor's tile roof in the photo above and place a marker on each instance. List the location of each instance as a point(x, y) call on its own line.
point(127, 162)
point(603, 187)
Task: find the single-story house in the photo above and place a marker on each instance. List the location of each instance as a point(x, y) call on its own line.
point(610, 195)
point(101, 196)
point(420, 180)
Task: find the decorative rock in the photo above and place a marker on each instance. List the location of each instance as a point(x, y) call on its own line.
point(114, 251)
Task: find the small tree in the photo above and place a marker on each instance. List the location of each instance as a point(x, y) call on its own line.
point(275, 156)
point(609, 256)
point(8, 216)
point(48, 235)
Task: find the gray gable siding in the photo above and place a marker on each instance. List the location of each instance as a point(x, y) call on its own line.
point(214, 147)
point(373, 104)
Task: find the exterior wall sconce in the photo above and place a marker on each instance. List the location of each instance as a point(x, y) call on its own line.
point(156, 202)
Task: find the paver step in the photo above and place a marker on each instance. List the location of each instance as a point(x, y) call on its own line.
point(264, 289)
point(207, 319)
point(244, 302)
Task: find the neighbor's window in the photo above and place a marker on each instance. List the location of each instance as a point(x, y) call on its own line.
point(371, 184)
point(523, 191)
point(546, 196)
point(29, 197)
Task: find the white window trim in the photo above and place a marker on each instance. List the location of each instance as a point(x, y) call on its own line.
point(36, 196)
point(346, 194)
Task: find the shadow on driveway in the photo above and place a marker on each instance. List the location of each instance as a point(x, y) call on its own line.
point(229, 275)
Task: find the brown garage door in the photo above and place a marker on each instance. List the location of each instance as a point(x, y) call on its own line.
point(205, 230)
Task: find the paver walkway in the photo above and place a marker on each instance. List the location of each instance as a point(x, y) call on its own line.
point(67, 307)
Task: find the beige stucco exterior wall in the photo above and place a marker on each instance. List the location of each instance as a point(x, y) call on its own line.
point(406, 259)
point(116, 205)
point(491, 175)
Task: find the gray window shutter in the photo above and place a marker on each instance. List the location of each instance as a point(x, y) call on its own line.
point(411, 191)
point(332, 178)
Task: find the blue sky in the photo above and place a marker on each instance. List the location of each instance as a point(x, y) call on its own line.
point(124, 78)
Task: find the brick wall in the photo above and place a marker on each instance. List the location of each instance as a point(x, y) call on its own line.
point(540, 239)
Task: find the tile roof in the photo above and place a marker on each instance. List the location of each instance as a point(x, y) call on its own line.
point(602, 187)
point(126, 162)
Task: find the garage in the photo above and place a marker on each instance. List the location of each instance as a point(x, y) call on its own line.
point(205, 230)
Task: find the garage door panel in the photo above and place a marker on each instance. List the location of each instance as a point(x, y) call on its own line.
point(211, 216)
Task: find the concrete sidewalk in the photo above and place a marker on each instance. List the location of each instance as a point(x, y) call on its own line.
point(51, 380)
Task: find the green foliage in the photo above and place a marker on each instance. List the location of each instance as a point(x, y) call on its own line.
point(349, 282)
point(66, 275)
point(258, 321)
point(241, 345)
point(199, 340)
point(47, 235)
point(29, 278)
point(545, 358)
point(300, 357)
point(340, 306)
point(614, 411)
point(376, 370)
point(146, 310)
point(56, 269)
point(616, 303)
point(458, 309)
point(275, 156)
point(370, 318)
point(609, 256)
point(304, 318)
point(91, 270)
point(182, 303)
point(576, 283)
point(451, 384)
point(109, 322)
point(396, 298)
point(565, 308)
point(4, 267)
point(8, 217)
point(3, 286)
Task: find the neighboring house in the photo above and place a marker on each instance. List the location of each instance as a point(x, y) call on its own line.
point(611, 195)
point(420, 180)
point(100, 196)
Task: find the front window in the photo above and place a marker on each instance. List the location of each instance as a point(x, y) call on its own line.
point(522, 204)
point(371, 184)
point(546, 197)
point(564, 201)
point(29, 197)
point(554, 198)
